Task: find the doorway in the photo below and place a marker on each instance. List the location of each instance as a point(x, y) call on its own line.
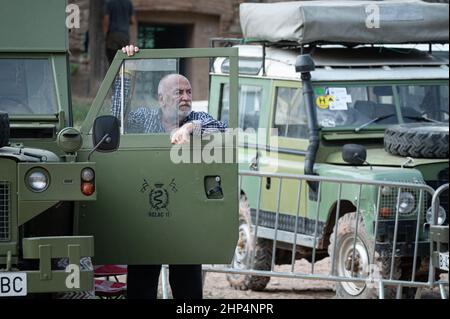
point(160, 36)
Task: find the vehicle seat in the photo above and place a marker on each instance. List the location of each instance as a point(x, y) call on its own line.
point(251, 121)
point(374, 110)
point(366, 107)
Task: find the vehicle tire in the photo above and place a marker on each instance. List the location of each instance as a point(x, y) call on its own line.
point(417, 140)
point(364, 263)
point(244, 252)
point(4, 129)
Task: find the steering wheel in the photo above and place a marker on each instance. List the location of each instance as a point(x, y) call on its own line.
point(16, 107)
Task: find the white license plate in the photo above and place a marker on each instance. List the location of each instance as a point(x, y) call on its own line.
point(443, 261)
point(13, 284)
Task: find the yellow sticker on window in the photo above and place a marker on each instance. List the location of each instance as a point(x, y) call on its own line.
point(330, 99)
point(322, 102)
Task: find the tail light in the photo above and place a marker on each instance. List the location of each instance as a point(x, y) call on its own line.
point(385, 212)
point(87, 181)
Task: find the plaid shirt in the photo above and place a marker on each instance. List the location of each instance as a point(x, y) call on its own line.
point(149, 120)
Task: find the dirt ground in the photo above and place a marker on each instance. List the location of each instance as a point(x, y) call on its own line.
point(216, 286)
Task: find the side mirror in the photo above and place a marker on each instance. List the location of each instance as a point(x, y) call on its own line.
point(106, 133)
point(354, 154)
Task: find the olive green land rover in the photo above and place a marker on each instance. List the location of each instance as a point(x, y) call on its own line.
point(386, 103)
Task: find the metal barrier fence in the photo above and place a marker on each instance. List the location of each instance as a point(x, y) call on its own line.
point(369, 257)
point(439, 242)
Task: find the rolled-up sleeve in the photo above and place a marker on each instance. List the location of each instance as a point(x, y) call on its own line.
point(116, 96)
point(205, 124)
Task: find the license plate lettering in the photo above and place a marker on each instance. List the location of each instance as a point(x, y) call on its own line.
point(13, 284)
point(443, 261)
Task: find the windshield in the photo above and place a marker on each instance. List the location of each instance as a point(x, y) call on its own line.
point(27, 87)
point(372, 106)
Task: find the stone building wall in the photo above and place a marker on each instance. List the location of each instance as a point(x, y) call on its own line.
point(205, 19)
point(77, 36)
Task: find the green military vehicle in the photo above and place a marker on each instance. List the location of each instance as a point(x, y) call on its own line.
point(386, 103)
point(98, 192)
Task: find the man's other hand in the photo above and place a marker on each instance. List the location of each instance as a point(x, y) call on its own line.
point(182, 134)
point(130, 50)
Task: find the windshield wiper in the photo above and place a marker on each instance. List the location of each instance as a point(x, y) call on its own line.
point(375, 120)
point(421, 118)
point(380, 118)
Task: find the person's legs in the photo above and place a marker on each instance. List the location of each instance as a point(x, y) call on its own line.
point(186, 281)
point(114, 42)
point(142, 281)
point(110, 54)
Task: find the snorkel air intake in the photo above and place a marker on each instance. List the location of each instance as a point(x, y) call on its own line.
point(305, 65)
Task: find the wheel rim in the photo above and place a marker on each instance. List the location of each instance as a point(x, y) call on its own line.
point(242, 251)
point(361, 265)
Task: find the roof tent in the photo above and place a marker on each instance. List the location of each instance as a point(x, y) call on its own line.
point(358, 22)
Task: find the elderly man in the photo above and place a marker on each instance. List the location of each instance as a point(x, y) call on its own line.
point(174, 116)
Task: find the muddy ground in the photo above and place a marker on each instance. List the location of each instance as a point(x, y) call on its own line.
point(217, 287)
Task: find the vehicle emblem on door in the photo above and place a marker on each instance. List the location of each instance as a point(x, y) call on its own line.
point(158, 198)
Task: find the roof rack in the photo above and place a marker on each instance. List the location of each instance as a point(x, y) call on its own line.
point(291, 45)
point(265, 44)
point(296, 45)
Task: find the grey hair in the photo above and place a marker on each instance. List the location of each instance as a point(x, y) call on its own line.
point(162, 86)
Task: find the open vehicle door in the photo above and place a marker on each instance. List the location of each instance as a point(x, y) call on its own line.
point(155, 206)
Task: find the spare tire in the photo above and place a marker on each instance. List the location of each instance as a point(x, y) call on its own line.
point(417, 140)
point(4, 129)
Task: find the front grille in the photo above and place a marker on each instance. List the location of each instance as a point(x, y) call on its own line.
point(4, 211)
point(389, 203)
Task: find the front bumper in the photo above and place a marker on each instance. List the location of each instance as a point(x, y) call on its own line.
point(402, 249)
point(405, 242)
point(46, 280)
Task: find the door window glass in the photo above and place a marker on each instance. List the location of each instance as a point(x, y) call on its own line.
point(142, 92)
point(249, 105)
point(290, 114)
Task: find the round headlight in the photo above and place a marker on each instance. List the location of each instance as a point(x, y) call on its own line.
point(386, 191)
point(407, 203)
point(38, 180)
point(87, 174)
point(442, 216)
